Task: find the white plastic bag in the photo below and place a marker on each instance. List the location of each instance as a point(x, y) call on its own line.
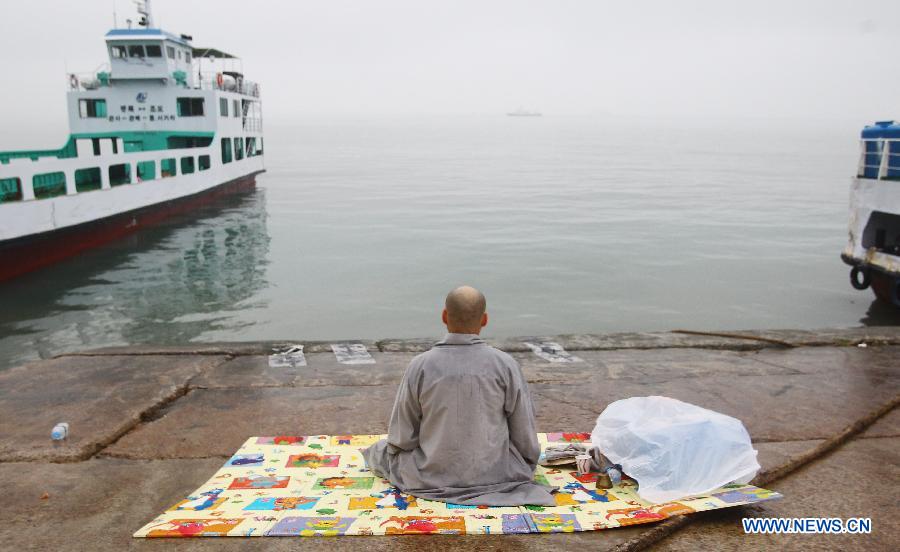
point(674, 449)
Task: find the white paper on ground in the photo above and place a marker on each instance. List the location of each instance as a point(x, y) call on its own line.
point(551, 352)
point(352, 353)
point(290, 357)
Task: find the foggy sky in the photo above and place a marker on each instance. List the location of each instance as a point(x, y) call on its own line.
point(790, 62)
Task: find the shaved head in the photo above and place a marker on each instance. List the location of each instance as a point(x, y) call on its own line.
point(465, 309)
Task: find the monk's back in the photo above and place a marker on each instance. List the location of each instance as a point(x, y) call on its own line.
point(464, 432)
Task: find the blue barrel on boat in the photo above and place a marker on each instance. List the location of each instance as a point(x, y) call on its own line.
point(877, 133)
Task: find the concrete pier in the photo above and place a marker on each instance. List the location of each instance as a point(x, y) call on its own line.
point(150, 424)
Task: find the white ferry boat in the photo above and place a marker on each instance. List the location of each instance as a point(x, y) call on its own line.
point(874, 247)
point(164, 127)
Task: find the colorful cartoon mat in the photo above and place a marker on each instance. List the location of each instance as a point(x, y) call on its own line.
point(320, 486)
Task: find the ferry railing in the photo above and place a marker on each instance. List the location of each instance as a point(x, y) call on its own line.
point(879, 159)
point(92, 80)
point(210, 81)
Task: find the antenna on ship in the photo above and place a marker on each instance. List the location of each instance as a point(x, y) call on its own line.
point(146, 13)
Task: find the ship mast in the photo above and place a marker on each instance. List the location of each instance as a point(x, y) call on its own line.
point(146, 12)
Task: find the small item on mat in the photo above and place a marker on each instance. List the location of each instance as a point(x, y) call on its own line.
point(291, 357)
point(615, 475)
point(604, 481)
point(60, 431)
point(583, 463)
point(558, 455)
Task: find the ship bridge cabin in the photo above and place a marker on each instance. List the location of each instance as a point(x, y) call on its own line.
point(158, 82)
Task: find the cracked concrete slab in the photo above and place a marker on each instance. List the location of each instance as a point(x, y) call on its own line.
point(209, 422)
point(648, 366)
point(100, 397)
point(857, 480)
point(816, 399)
point(322, 369)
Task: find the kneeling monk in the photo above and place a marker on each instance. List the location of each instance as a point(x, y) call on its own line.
point(462, 428)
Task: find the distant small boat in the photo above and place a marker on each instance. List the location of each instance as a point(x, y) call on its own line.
point(521, 112)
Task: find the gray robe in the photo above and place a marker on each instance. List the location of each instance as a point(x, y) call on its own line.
point(462, 429)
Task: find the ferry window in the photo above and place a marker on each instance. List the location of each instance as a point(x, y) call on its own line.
point(154, 51)
point(95, 145)
point(136, 50)
point(146, 170)
point(187, 57)
point(179, 54)
point(203, 162)
point(190, 107)
point(119, 174)
point(223, 107)
point(226, 150)
point(87, 180)
point(167, 167)
point(92, 109)
point(238, 149)
point(187, 165)
point(251, 147)
point(260, 150)
point(170, 52)
point(49, 185)
point(118, 52)
point(237, 108)
point(10, 189)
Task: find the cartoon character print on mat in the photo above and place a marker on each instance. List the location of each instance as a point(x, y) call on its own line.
point(204, 501)
point(422, 525)
point(335, 483)
point(646, 514)
point(246, 460)
point(280, 503)
point(354, 440)
point(313, 461)
point(516, 523)
point(576, 493)
point(388, 498)
point(281, 440)
point(555, 523)
point(310, 526)
point(568, 437)
point(194, 528)
point(744, 494)
point(260, 482)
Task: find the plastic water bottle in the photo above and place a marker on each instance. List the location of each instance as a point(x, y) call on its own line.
point(60, 431)
point(615, 476)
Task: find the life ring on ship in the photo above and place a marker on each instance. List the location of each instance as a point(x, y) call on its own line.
point(856, 282)
point(220, 80)
point(73, 81)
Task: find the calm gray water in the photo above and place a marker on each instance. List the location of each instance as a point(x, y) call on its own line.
point(360, 227)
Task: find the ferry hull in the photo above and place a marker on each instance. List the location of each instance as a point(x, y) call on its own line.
point(28, 253)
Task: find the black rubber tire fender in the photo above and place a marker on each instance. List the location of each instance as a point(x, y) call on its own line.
point(854, 278)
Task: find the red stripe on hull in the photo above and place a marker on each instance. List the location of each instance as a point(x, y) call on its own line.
point(22, 255)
